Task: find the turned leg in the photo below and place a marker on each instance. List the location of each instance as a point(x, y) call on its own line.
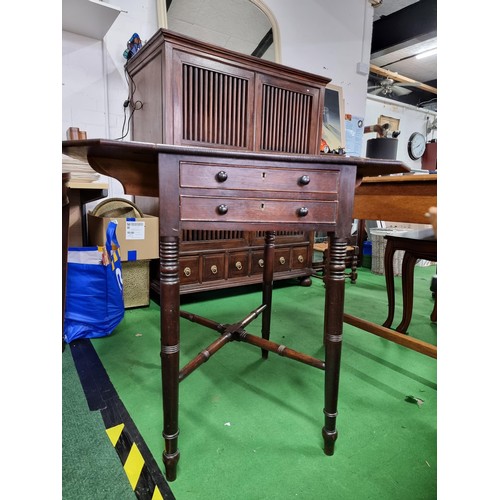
point(354, 265)
point(434, 310)
point(267, 286)
point(334, 306)
point(170, 347)
point(407, 279)
point(389, 282)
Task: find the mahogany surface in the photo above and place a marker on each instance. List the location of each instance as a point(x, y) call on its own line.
point(396, 198)
point(271, 196)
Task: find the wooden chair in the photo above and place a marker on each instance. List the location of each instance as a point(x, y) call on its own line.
point(415, 248)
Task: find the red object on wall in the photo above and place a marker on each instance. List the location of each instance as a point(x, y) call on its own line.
point(429, 159)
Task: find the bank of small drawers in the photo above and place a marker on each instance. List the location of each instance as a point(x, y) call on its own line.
point(239, 264)
point(264, 194)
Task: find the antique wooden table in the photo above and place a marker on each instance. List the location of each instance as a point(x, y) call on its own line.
point(231, 190)
point(395, 198)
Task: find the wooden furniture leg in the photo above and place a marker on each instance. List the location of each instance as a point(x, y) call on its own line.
point(407, 280)
point(353, 275)
point(334, 304)
point(434, 310)
point(170, 347)
point(267, 286)
point(414, 249)
point(389, 281)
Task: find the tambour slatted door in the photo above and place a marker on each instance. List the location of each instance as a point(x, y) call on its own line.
point(193, 93)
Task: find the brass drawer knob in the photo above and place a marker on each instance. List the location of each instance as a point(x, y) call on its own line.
point(214, 269)
point(187, 271)
point(304, 180)
point(239, 266)
point(300, 259)
point(282, 260)
point(221, 176)
point(222, 209)
point(261, 262)
point(302, 211)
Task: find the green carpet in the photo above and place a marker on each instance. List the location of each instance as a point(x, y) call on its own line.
point(90, 466)
point(251, 429)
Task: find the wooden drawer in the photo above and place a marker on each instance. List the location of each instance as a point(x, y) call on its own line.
point(237, 264)
point(189, 270)
point(210, 209)
point(251, 178)
point(299, 258)
point(281, 260)
point(257, 262)
point(212, 267)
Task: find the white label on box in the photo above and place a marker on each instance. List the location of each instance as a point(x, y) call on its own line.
point(135, 230)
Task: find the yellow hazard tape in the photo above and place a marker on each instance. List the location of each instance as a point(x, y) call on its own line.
point(134, 462)
point(133, 465)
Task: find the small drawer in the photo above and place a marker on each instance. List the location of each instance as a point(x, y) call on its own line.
point(299, 258)
point(237, 264)
point(281, 260)
point(257, 263)
point(189, 270)
point(253, 178)
point(231, 209)
point(213, 267)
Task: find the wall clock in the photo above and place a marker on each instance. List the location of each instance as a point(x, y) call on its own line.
point(416, 145)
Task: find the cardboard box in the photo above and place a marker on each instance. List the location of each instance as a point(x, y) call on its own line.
point(138, 236)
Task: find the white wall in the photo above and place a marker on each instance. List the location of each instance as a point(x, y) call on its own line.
point(411, 119)
point(93, 79)
point(329, 38)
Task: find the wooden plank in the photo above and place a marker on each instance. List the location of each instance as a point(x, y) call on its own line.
point(400, 78)
point(399, 338)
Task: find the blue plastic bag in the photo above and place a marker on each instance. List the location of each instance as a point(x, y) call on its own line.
point(94, 290)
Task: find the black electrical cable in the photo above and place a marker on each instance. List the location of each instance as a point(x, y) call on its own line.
point(129, 103)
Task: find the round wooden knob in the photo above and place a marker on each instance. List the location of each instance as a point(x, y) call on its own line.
point(221, 176)
point(222, 209)
point(282, 260)
point(304, 180)
point(239, 266)
point(213, 269)
point(187, 271)
point(300, 259)
point(302, 211)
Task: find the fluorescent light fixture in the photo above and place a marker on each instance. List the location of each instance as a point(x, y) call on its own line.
point(426, 53)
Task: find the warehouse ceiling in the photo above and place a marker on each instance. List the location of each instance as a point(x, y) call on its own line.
point(401, 30)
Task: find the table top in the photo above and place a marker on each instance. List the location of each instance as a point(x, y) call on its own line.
point(135, 164)
point(400, 179)
point(396, 198)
